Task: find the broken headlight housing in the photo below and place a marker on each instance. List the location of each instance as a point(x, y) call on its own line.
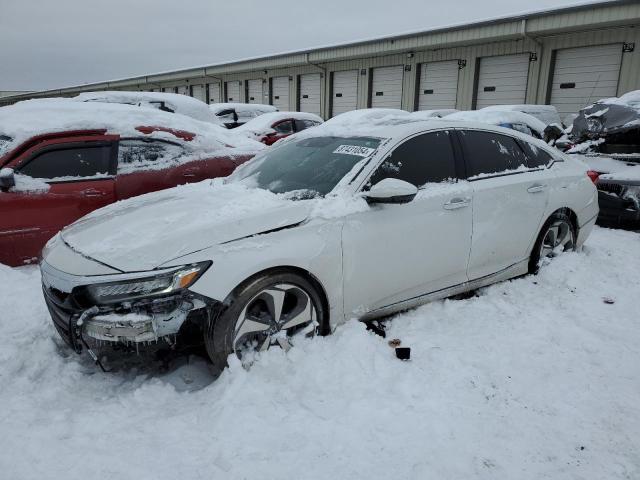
point(149, 285)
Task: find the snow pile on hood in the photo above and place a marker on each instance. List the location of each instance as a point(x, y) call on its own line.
point(182, 104)
point(498, 117)
point(26, 119)
point(626, 174)
point(355, 119)
point(262, 124)
point(179, 221)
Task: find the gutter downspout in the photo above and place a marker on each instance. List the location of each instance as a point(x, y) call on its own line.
point(523, 33)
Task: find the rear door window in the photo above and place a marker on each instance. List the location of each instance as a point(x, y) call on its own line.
point(489, 154)
point(426, 158)
point(536, 157)
point(284, 128)
point(69, 163)
point(135, 154)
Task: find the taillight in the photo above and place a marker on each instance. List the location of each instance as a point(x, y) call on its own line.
point(593, 175)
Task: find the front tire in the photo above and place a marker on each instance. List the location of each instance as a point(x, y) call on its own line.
point(270, 310)
point(557, 235)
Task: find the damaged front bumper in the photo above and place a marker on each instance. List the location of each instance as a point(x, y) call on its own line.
point(129, 321)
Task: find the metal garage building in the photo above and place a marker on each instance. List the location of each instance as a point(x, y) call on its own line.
point(566, 57)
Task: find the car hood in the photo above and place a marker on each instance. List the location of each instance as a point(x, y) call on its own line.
point(146, 232)
point(602, 119)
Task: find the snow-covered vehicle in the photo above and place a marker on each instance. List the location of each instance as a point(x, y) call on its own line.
point(233, 115)
point(547, 114)
point(167, 102)
point(521, 122)
point(271, 127)
point(430, 114)
point(62, 160)
point(607, 137)
point(326, 226)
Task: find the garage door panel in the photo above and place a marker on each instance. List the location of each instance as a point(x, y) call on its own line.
point(233, 92)
point(280, 93)
point(198, 91)
point(214, 93)
point(592, 72)
point(254, 91)
point(438, 86)
point(309, 93)
point(502, 80)
point(344, 92)
point(386, 87)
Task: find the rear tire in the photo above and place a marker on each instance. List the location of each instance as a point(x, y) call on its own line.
point(557, 235)
point(267, 311)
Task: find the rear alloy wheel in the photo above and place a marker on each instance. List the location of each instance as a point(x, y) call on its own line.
point(271, 312)
point(558, 235)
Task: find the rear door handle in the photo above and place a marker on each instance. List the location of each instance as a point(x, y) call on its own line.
point(457, 202)
point(537, 188)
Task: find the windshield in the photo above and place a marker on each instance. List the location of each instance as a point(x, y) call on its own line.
point(4, 144)
point(309, 167)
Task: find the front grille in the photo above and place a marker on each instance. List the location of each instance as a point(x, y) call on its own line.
point(61, 313)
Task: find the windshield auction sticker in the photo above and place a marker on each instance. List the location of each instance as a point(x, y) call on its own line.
point(356, 150)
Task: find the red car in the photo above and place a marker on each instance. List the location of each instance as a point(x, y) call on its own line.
point(54, 172)
point(268, 128)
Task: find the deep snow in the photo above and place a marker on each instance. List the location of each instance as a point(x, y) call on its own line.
point(533, 378)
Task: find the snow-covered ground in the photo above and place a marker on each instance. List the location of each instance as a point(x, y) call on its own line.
point(533, 378)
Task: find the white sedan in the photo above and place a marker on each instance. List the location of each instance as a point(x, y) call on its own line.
point(326, 226)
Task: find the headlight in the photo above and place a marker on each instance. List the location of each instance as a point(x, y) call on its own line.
point(594, 125)
point(150, 285)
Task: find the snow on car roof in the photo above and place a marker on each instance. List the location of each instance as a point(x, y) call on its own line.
point(242, 107)
point(263, 122)
point(27, 119)
point(183, 104)
point(545, 113)
point(497, 117)
point(630, 99)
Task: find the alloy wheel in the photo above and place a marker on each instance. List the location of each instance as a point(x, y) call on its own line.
point(558, 238)
point(272, 318)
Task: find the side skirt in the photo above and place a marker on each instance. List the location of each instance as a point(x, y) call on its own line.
point(515, 270)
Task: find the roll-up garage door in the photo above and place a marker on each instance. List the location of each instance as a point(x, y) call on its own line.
point(197, 91)
point(169, 90)
point(254, 91)
point(502, 80)
point(233, 91)
point(309, 100)
point(438, 86)
point(583, 75)
point(280, 93)
point(386, 87)
point(183, 90)
point(344, 92)
point(214, 93)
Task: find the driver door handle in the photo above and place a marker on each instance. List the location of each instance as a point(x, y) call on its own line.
point(537, 188)
point(457, 202)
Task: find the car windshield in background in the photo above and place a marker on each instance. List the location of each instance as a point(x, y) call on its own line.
point(4, 144)
point(308, 167)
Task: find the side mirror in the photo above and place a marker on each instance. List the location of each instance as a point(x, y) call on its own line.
point(391, 190)
point(7, 179)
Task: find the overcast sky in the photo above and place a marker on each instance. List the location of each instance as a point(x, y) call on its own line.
point(50, 44)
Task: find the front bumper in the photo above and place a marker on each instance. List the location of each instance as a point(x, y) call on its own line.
point(141, 321)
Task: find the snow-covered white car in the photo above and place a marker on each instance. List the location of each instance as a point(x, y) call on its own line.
point(233, 115)
point(521, 122)
point(326, 226)
point(271, 127)
point(167, 102)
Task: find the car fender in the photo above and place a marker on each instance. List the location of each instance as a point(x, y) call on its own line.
point(314, 246)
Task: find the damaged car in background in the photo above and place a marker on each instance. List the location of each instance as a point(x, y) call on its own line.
point(607, 137)
point(328, 225)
